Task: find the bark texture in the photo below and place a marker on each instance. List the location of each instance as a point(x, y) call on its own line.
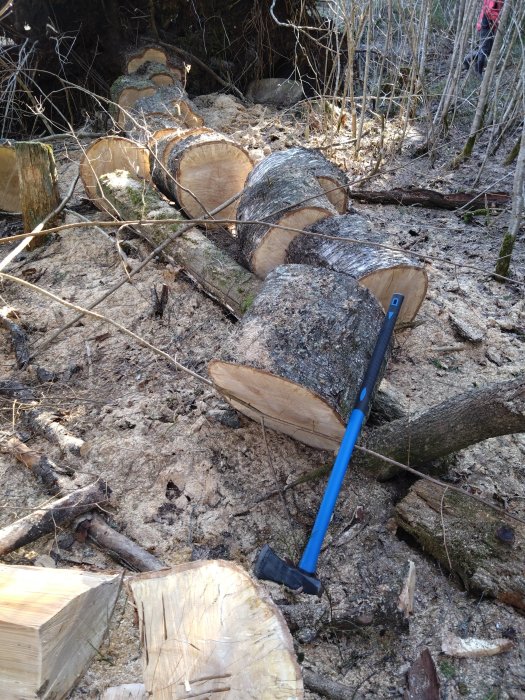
point(384, 272)
point(333, 180)
point(291, 198)
point(497, 409)
point(166, 104)
point(468, 538)
point(9, 186)
point(136, 58)
point(299, 354)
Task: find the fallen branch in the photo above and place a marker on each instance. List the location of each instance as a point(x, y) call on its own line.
point(433, 199)
point(18, 337)
point(326, 686)
point(43, 469)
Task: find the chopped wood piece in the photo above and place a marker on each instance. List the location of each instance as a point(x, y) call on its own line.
point(384, 272)
point(422, 679)
point(206, 169)
point(207, 628)
point(219, 276)
point(52, 621)
point(128, 691)
point(299, 354)
point(105, 155)
point(468, 329)
point(406, 597)
point(118, 546)
point(49, 517)
point(333, 180)
point(291, 198)
point(431, 198)
point(9, 184)
point(468, 538)
point(472, 648)
point(45, 424)
point(18, 336)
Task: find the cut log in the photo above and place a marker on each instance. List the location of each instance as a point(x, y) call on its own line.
point(496, 409)
point(9, 185)
point(206, 628)
point(158, 73)
point(125, 91)
point(37, 176)
point(384, 272)
point(469, 539)
point(333, 180)
point(52, 622)
point(135, 58)
point(128, 691)
point(433, 199)
point(49, 517)
point(299, 354)
point(206, 264)
point(206, 170)
point(283, 204)
point(105, 155)
point(165, 107)
point(160, 146)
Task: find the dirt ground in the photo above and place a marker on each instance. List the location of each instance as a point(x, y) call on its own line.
point(181, 464)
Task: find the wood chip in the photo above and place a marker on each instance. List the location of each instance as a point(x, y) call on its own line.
point(473, 648)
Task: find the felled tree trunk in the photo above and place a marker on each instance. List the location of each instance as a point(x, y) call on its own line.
point(9, 185)
point(298, 356)
point(282, 204)
point(333, 180)
point(384, 272)
point(497, 409)
point(212, 269)
point(469, 539)
point(206, 169)
point(433, 199)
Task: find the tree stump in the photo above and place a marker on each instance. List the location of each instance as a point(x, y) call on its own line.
point(205, 170)
point(9, 185)
point(38, 184)
point(52, 621)
point(299, 354)
point(283, 204)
point(384, 272)
point(333, 180)
point(106, 155)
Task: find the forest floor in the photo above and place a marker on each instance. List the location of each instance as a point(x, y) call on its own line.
point(181, 464)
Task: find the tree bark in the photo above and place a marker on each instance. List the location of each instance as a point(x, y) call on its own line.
point(165, 107)
point(468, 538)
point(433, 199)
point(9, 184)
point(299, 354)
point(292, 198)
point(497, 409)
point(384, 272)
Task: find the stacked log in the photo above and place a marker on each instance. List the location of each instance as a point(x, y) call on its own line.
point(299, 354)
point(152, 53)
point(340, 244)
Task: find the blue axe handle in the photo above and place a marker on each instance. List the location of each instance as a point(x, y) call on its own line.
point(311, 552)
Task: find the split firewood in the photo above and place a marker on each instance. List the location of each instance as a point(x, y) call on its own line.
point(118, 546)
point(206, 264)
point(384, 272)
point(52, 515)
point(486, 551)
point(333, 180)
point(473, 648)
point(52, 622)
point(128, 691)
point(431, 198)
point(205, 170)
point(287, 361)
point(148, 53)
point(405, 602)
point(9, 184)
point(283, 205)
point(200, 622)
point(105, 155)
point(422, 679)
point(18, 336)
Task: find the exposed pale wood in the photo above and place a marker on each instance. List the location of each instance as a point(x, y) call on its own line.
point(128, 691)
point(37, 176)
point(105, 155)
point(9, 185)
point(333, 180)
point(300, 352)
point(206, 170)
point(160, 145)
point(52, 515)
point(40, 465)
point(473, 648)
point(45, 423)
point(291, 199)
point(117, 545)
point(135, 58)
point(431, 198)
point(126, 91)
point(384, 272)
point(158, 73)
point(206, 264)
point(206, 628)
point(468, 538)
point(52, 621)
point(406, 597)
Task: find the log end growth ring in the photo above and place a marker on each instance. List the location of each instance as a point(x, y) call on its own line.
point(286, 407)
point(408, 280)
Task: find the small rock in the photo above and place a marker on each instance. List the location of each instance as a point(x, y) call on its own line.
point(227, 417)
point(466, 329)
point(275, 91)
point(46, 561)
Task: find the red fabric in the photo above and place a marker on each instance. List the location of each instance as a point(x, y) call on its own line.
point(491, 10)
